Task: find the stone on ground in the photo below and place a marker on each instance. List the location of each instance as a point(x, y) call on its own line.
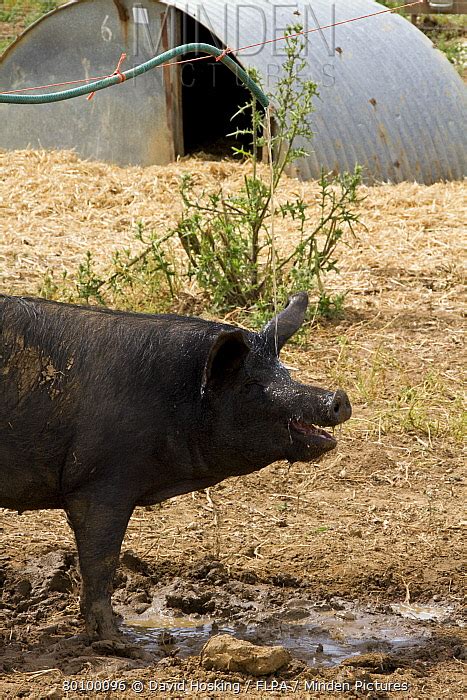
point(225, 653)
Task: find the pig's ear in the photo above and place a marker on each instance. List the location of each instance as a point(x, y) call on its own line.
point(225, 357)
point(282, 327)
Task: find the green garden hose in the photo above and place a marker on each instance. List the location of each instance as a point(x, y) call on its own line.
point(143, 68)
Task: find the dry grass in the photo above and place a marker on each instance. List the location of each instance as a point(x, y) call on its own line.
point(55, 207)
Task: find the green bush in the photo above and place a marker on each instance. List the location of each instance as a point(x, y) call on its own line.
point(226, 240)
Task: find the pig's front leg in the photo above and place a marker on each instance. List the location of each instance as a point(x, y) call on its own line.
point(99, 526)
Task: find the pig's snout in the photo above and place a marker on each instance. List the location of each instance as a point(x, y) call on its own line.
point(340, 408)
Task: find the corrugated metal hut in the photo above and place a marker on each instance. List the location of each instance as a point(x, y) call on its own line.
point(388, 99)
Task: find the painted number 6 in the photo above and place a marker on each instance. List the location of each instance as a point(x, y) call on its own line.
point(106, 32)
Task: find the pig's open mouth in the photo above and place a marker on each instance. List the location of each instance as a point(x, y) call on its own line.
point(313, 432)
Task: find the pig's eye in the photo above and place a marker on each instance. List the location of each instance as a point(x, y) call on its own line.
point(254, 384)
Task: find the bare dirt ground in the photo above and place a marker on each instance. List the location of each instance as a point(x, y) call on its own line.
point(378, 523)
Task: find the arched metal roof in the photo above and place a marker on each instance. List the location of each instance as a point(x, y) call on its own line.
point(388, 100)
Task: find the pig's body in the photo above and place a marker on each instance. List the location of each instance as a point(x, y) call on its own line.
point(101, 411)
point(112, 401)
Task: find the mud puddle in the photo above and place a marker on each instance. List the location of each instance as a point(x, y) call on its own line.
point(416, 611)
point(316, 633)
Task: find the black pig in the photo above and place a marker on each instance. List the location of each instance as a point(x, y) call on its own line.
point(102, 411)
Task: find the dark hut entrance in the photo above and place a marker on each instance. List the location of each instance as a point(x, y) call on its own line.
point(211, 96)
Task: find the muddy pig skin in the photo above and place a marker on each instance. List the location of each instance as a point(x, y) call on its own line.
point(102, 411)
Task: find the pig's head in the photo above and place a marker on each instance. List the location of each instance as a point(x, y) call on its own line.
point(257, 413)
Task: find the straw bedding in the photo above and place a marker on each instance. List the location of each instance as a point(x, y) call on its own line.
point(55, 207)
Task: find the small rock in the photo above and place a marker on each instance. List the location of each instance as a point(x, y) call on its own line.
point(191, 601)
point(225, 653)
point(141, 608)
point(294, 614)
point(112, 647)
point(109, 646)
point(346, 615)
point(60, 582)
point(297, 603)
point(54, 693)
point(23, 588)
point(141, 597)
point(133, 562)
point(374, 662)
point(355, 531)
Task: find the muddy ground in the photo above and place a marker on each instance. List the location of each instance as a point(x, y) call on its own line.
point(356, 564)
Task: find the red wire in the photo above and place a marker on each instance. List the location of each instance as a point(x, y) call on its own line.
point(224, 53)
